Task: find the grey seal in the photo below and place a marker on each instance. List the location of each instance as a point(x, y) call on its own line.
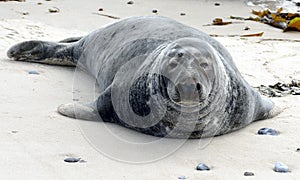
point(157, 76)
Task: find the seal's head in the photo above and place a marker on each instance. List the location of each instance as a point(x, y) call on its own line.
point(188, 64)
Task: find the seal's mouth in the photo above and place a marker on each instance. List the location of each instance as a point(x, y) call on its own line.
point(186, 96)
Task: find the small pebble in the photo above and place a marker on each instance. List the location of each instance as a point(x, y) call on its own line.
point(182, 14)
point(297, 3)
point(54, 10)
point(33, 72)
point(202, 167)
point(25, 13)
point(217, 4)
point(267, 131)
point(14, 132)
point(83, 161)
point(280, 167)
point(72, 160)
point(39, 3)
point(246, 28)
point(155, 11)
point(100, 9)
point(298, 149)
point(182, 177)
point(248, 174)
point(130, 2)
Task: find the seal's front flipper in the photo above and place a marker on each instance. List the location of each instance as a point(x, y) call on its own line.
point(79, 111)
point(266, 109)
point(105, 107)
point(43, 52)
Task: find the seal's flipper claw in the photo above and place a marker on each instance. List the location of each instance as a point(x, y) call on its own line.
point(79, 111)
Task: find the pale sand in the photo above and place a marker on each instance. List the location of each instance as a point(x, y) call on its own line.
point(44, 138)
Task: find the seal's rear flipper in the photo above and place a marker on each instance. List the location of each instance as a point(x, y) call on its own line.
point(43, 52)
point(79, 111)
point(70, 40)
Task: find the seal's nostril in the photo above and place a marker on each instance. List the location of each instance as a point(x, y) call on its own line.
point(198, 86)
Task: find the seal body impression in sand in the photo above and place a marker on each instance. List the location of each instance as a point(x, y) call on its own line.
point(157, 76)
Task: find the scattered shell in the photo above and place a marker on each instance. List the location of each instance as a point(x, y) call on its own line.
point(72, 160)
point(248, 173)
point(155, 11)
point(182, 14)
point(202, 167)
point(54, 10)
point(267, 131)
point(130, 2)
point(280, 167)
point(33, 72)
point(182, 177)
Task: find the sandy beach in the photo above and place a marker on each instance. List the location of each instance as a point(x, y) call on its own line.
point(35, 139)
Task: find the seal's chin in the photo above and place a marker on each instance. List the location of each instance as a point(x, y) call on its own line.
point(192, 101)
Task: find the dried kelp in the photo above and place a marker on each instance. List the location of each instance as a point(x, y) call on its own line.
point(278, 19)
point(280, 89)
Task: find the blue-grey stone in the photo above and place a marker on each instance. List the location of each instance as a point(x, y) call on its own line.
point(280, 167)
point(33, 72)
point(202, 167)
point(268, 131)
point(182, 177)
point(72, 160)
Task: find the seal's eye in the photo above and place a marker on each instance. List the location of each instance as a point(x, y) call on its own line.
point(204, 65)
point(173, 64)
point(172, 53)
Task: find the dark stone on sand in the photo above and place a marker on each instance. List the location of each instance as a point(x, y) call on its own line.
point(155, 11)
point(297, 3)
point(182, 14)
point(298, 150)
point(248, 173)
point(14, 132)
point(267, 131)
point(246, 28)
point(217, 4)
point(202, 167)
point(72, 160)
point(100, 9)
point(130, 2)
